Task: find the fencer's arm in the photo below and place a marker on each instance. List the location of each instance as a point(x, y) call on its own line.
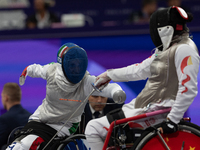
point(112, 90)
point(115, 92)
point(130, 73)
point(119, 96)
point(134, 72)
point(35, 71)
point(187, 66)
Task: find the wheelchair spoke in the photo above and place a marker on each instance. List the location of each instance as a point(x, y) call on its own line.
point(183, 145)
point(158, 132)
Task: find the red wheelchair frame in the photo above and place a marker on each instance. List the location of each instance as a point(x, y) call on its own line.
point(155, 139)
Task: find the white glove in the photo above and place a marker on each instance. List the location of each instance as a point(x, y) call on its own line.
point(22, 77)
point(102, 79)
point(119, 97)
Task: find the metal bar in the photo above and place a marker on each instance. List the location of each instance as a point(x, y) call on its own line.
point(104, 103)
point(158, 132)
point(183, 145)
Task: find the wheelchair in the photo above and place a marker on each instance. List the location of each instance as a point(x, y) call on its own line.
point(141, 133)
point(72, 142)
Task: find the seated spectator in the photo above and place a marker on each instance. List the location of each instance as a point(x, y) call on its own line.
point(142, 16)
point(97, 107)
point(15, 116)
point(42, 18)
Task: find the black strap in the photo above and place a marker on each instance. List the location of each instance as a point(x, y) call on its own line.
point(37, 128)
point(115, 115)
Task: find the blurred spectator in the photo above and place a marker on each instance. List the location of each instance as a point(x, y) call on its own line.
point(14, 3)
point(142, 16)
point(174, 2)
point(177, 3)
point(15, 116)
point(97, 107)
point(42, 18)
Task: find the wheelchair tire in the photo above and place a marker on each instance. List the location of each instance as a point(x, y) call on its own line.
point(76, 139)
point(188, 134)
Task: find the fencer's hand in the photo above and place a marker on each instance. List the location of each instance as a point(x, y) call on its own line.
point(168, 126)
point(22, 77)
point(119, 97)
point(102, 79)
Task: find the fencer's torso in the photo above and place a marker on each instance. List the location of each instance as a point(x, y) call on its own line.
point(61, 101)
point(64, 102)
point(163, 83)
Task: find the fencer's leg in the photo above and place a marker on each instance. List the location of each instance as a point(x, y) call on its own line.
point(26, 143)
point(15, 146)
point(96, 131)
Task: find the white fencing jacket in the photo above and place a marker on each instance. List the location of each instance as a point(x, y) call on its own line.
point(63, 98)
point(187, 67)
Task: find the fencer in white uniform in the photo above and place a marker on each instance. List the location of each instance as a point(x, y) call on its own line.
point(171, 71)
point(68, 85)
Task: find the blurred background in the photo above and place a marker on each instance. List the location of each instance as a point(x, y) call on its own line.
point(114, 33)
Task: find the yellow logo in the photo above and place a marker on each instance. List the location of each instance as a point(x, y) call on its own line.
point(192, 148)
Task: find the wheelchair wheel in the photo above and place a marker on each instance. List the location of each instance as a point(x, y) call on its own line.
point(187, 137)
point(74, 142)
